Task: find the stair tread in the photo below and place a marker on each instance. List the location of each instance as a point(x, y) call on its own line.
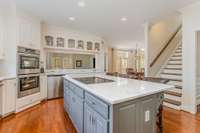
point(175, 60)
point(178, 87)
point(177, 56)
point(173, 68)
point(177, 74)
point(177, 103)
point(179, 80)
point(173, 93)
point(174, 64)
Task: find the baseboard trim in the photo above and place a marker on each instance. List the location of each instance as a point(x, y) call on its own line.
point(188, 109)
point(26, 107)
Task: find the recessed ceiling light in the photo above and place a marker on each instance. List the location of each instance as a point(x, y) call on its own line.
point(72, 18)
point(81, 3)
point(123, 19)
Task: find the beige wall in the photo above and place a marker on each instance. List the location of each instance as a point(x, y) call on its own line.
point(159, 34)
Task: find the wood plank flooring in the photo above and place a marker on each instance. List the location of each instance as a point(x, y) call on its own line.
point(49, 117)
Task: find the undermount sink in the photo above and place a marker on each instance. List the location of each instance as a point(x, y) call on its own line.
point(93, 80)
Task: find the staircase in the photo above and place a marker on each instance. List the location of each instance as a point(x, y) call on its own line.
point(172, 70)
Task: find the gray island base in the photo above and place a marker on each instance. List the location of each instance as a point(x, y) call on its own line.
point(91, 114)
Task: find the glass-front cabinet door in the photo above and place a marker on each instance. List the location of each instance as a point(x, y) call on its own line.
point(80, 44)
point(89, 45)
point(97, 46)
point(71, 43)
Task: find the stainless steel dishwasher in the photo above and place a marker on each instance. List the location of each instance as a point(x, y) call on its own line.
point(55, 86)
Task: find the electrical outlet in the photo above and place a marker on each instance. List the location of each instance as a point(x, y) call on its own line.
point(147, 116)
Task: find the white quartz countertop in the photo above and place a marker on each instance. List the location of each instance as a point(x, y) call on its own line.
point(2, 78)
point(121, 89)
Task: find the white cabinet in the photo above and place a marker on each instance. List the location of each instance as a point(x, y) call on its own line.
point(27, 101)
point(43, 86)
point(29, 32)
point(8, 96)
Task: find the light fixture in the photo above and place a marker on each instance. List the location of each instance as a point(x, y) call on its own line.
point(123, 19)
point(72, 18)
point(81, 3)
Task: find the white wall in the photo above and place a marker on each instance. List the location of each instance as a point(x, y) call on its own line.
point(8, 65)
point(68, 33)
point(191, 24)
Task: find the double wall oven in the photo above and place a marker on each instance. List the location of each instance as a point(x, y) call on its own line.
point(28, 71)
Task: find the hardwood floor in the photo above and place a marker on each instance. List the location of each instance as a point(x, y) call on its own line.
point(49, 117)
point(180, 121)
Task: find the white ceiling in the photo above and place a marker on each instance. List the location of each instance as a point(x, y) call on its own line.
point(102, 17)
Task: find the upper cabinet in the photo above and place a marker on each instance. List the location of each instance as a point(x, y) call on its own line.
point(80, 44)
point(97, 46)
point(61, 39)
point(89, 45)
point(28, 32)
point(71, 43)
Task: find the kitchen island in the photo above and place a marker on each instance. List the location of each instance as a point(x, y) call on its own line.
point(106, 104)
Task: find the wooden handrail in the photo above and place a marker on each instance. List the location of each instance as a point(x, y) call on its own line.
point(163, 49)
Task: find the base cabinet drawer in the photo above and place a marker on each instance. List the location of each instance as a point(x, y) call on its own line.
point(101, 107)
point(77, 90)
point(93, 122)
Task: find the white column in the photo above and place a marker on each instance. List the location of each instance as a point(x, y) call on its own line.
point(146, 49)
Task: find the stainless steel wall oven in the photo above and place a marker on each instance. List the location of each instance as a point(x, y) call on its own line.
point(28, 61)
point(28, 71)
point(28, 84)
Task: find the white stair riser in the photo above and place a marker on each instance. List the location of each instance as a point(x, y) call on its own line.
point(176, 90)
point(174, 66)
point(176, 98)
point(175, 61)
point(172, 106)
point(178, 51)
point(178, 54)
point(172, 71)
point(171, 76)
point(178, 57)
point(175, 83)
